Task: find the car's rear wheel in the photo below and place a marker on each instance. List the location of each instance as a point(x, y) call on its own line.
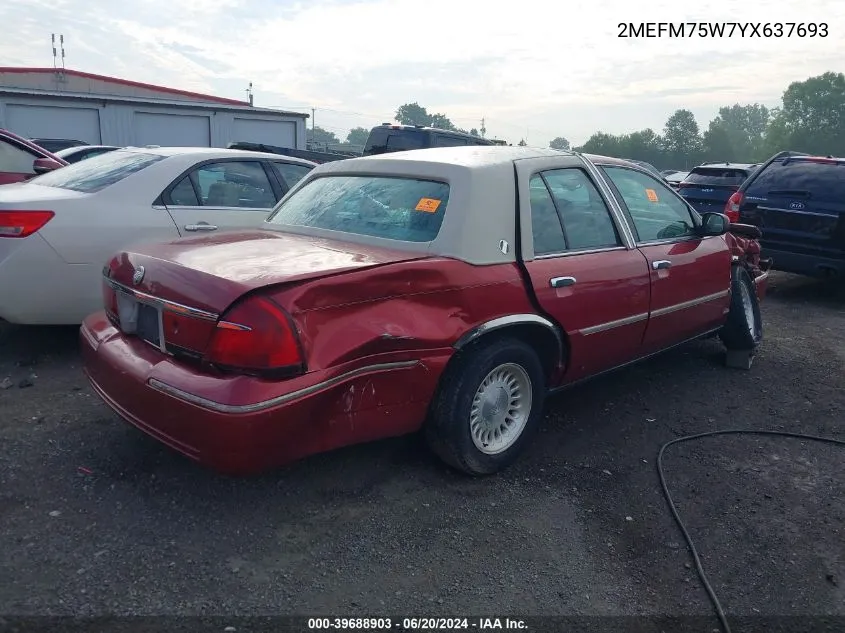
point(489, 404)
point(744, 327)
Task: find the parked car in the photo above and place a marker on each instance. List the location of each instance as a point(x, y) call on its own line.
point(798, 201)
point(669, 172)
point(81, 152)
point(21, 159)
point(57, 144)
point(708, 186)
point(57, 230)
point(389, 137)
point(676, 178)
point(449, 289)
point(310, 155)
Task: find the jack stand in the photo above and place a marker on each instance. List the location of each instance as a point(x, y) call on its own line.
point(739, 359)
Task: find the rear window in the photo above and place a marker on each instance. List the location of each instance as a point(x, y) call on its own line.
point(404, 209)
point(383, 140)
point(814, 180)
point(711, 176)
point(98, 172)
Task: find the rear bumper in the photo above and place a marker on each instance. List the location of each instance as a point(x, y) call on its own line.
point(801, 264)
point(242, 425)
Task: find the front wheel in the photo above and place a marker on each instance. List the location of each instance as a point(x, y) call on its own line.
point(488, 406)
point(743, 330)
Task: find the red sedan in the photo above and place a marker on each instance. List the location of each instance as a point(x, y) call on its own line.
point(443, 289)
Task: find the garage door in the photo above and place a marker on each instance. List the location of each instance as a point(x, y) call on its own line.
point(171, 130)
point(79, 124)
point(278, 133)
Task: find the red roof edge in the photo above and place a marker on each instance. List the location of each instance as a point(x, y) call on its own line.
point(126, 82)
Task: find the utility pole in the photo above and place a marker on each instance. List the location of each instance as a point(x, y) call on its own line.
point(483, 129)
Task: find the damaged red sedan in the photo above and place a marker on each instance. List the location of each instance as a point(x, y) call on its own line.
point(447, 289)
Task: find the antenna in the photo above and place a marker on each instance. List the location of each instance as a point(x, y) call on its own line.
point(249, 93)
point(62, 44)
point(54, 50)
point(483, 129)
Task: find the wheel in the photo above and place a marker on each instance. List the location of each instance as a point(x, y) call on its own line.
point(488, 406)
point(744, 327)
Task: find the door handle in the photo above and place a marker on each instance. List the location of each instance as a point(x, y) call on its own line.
point(561, 282)
point(660, 264)
point(202, 226)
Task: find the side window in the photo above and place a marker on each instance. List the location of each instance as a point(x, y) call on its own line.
point(656, 211)
point(545, 224)
point(449, 141)
point(235, 184)
point(586, 219)
point(15, 160)
point(289, 173)
point(183, 194)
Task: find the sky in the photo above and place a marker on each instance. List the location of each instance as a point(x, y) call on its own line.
point(533, 70)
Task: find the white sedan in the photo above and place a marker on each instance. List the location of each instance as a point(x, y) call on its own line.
point(58, 230)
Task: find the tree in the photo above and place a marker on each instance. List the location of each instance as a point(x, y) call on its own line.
point(474, 132)
point(442, 121)
point(522, 142)
point(680, 138)
point(812, 118)
point(745, 125)
point(559, 143)
point(413, 114)
point(718, 143)
point(357, 136)
point(319, 135)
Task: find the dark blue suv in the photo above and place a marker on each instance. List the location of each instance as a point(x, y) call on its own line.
point(708, 186)
point(798, 201)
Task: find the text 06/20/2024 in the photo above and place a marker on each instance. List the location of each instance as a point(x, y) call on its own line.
point(722, 29)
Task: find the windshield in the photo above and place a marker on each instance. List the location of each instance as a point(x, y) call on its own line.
point(393, 208)
point(717, 176)
point(98, 172)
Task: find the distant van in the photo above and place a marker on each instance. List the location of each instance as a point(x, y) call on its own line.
point(400, 138)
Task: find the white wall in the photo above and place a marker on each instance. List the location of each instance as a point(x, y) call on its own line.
point(118, 122)
point(54, 122)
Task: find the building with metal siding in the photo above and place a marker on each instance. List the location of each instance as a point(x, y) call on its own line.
point(69, 104)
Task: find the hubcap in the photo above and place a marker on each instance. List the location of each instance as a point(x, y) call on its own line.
point(500, 408)
point(748, 309)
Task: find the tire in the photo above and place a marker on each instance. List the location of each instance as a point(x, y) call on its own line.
point(509, 367)
point(743, 330)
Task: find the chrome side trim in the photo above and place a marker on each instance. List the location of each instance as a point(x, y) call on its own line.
point(633, 361)
point(690, 304)
point(164, 304)
point(505, 321)
point(613, 203)
point(603, 327)
point(235, 409)
point(587, 251)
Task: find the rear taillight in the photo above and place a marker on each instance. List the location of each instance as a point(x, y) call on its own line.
point(23, 223)
point(256, 336)
point(733, 205)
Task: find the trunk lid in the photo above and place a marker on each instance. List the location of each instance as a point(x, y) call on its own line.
point(211, 272)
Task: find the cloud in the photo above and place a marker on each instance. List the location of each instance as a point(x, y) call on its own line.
point(540, 67)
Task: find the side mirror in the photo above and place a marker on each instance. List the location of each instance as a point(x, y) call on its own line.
point(714, 224)
point(43, 165)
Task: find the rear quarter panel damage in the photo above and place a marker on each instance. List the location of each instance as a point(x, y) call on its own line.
point(406, 311)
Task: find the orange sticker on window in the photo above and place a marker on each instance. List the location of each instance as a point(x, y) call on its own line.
point(652, 195)
point(427, 205)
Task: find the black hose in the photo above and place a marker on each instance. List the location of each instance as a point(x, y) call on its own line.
point(720, 613)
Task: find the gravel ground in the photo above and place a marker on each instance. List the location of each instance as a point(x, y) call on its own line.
point(97, 518)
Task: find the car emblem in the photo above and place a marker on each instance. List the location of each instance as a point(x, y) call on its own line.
point(138, 276)
point(796, 206)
